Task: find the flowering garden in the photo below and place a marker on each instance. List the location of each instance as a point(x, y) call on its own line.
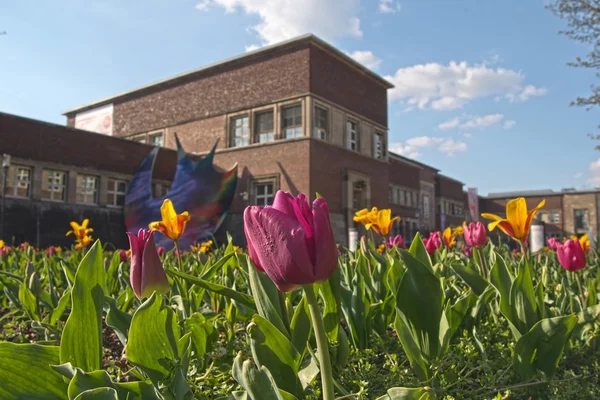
point(451, 316)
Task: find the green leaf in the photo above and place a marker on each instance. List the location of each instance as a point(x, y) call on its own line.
point(543, 345)
point(203, 333)
point(331, 293)
point(471, 278)
point(502, 280)
point(29, 302)
point(355, 311)
point(259, 383)
point(83, 381)
point(418, 363)
point(273, 350)
point(401, 393)
point(455, 315)
point(103, 393)
point(118, 320)
point(266, 298)
point(25, 372)
point(301, 325)
point(418, 250)
point(592, 298)
point(242, 298)
point(63, 303)
point(112, 274)
point(523, 300)
point(153, 336)
point(589, 314)
point(81, 342)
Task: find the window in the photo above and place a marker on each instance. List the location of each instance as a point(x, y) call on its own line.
point(156, 139)
point(543, 216)
point(581, 219)
point(264, 131)
point(378, 149)
point(18, 181)
point(407, 198)
point(400, 196)
point(160, 190)
point(292, 122)
point(54, 185)
point(321, 128)
point(87, 189)
point(555, 217)
point(426, 206)
point(390, 194)
point(139, 139)
point(240, 131)
point(115, 193)
point(263, 192)
point(352, 139)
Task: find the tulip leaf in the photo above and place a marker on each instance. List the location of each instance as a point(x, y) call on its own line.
point(589, 314)
point(258, 382)
point(418, 250)
point(455, 313)
point(112, 274)
point(103, 393)
point(471, 277)
point(25, 372)
point(242, 298)
point(331, 294)
point(83, 381)
point(266, 298)
point(542, 346)
point(355, 313)
point(301, 325)
point(153, 336)
point(418, 363)
point(401, 393)
point(419, 301)
point(273, 350)
point(502, 280)
point(63, 303)
point(203, 333)
point(592, 298)
point(210, 273)
point(81, 343)
point(118, 320)
point(29, 302)
point(523, 300)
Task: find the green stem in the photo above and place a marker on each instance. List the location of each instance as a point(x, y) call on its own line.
point(524, 250)
point(178, 255)
point(322, 345)
point(284, 312)
point(482, 262)
point(581, 293)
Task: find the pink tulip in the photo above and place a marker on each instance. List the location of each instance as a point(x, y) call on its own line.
point(5, 250)
point(396, 241)
point(147, 274)
point(290, 242)
point(553, 243)
point(123, 255)
point(571, 255)
point(161, 251)
point(51, 251)
point(475, 235)
point(23, 246)
point(433, 242)
point(467, 251)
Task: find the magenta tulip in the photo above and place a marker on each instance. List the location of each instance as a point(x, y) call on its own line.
point(290, 242)
point(571, 255)
point(467, 251)
point(147, 274)
point(433, 242)
point(553, 243)
point(396, 241)
point(475, 235)
point(123, 255)
point(161, 251)
point(51, 251)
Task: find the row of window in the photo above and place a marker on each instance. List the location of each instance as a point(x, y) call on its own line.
point(153, 138)
point(549, 217)
point(449, 207)
point(403, 197)
point(19, 183)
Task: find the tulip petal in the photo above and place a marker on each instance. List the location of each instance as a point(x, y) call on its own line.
point(326, 254)
point(280, 247)
point(283, 202)
point(135, 272)
point(531, 215)
point(251, 252)
point(516, 214)
point(154, 277)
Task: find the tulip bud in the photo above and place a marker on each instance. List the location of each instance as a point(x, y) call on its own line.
point(475, 235)
point(433, 242)
point(290, 241)
point(396, 241)
point(123, 255)
point(571, 255)
point(147, 274)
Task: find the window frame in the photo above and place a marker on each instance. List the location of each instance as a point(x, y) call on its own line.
point(349, 131)
point(552, 215)
point(154, 134)
point(320, 132)
point(16, 181)
point(51, 189)
point(256, 133)
point(115, 192)
point(284, 128)
point(85, 194)
point(233, 128)
point(378, 154)
point(585, 218)
point(264, 180)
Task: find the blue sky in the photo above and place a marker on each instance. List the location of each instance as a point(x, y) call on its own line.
point(483, 89)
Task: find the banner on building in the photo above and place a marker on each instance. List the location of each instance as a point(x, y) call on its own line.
point(99, 120)
point(473, 204)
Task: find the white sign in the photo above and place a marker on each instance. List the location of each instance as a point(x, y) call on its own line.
point(473, 204)
point(99, 120)
point(537, 238)
point(352, 239)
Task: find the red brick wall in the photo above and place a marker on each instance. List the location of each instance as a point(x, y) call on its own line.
point(198, 136)
point(234, 86)
point(338, 82)
point(288, 160)
point(553, 203)
point(36, 140)
point(449, 189)
point(428, 175)
point(404, 174)
point(327, 166)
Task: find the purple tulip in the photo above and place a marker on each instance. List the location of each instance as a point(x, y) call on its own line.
point(290, 242)
point(475, 235)
point(147, 274)
point(553, 243)
point(396, 241)
point(571, 255)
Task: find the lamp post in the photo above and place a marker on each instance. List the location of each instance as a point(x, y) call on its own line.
point(5, 166)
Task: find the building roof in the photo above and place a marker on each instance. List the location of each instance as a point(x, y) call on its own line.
point(539, 193)
point(407, 160)
point(309, 38)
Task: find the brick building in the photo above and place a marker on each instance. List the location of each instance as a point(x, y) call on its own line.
point(299, 116)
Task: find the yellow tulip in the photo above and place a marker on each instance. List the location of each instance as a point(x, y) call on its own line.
point(365, 216)
point(382, 222)
point(172, 224)
point(1, 244)
point(80, 230)
point(83, 242)
point(517, 221)
point(449, 237)
point(584, 241)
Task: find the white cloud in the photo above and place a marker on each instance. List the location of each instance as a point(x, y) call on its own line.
point(451, 86)
point(467, 135)
point(252, 47)
point(508, 124)
point(389, 6)
point(450, 147)
point(578, 175)
point(284, 19)
point(482, 122)
point(594, 178)
point(413, 146)
point(366, 58)
point(202, 5)
point(450, 124)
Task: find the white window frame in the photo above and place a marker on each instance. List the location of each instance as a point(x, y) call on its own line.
point(84, 189)
point(267, 136)
point(233, 128)
point(352, 135)
point(54, 187)
point(297, 130)
point(255, 183)
point(321, 132)
point(153, 135)
point(18, 181)
point(116, 192)
point(378, 146)
point(555, 214)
